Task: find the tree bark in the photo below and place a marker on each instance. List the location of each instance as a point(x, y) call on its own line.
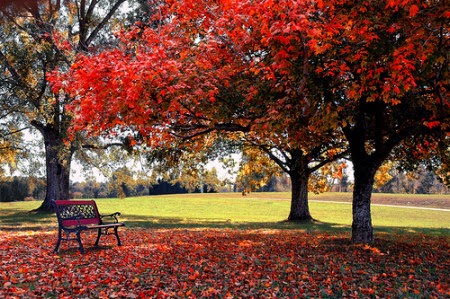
point(362, 229)
point(299, 200)
point(57, 162)
point(366, 164)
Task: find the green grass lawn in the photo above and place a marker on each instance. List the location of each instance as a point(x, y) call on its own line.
point(257, 210)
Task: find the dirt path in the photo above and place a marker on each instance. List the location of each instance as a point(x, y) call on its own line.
point(435, 201)
point(388, 205)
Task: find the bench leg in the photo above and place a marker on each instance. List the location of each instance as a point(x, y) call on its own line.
point(79, 242)
point(58, 242)
point(117, 236)
point(99, 233)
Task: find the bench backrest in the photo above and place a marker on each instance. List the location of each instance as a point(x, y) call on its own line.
point(75, 212)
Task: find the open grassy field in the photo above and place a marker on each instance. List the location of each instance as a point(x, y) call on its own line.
point(229, 246)
point(256, 210)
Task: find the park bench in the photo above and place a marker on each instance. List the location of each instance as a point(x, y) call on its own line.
point(76, 216)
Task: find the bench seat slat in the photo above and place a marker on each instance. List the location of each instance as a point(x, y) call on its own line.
point(108, 225)
point(75, 222)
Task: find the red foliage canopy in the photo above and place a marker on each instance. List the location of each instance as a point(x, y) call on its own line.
point(175, 75)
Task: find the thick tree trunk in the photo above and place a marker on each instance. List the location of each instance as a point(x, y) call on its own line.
point(299, 201)
point(362, 230)
point(57, 161)
point(371, 140)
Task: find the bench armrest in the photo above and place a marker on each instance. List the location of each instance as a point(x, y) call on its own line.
point(114, 215)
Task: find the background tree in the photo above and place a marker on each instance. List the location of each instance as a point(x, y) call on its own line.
point(211, 181)
point(255, 171)
point(11, 132)
point(180, 169)
point(422, 180)
point(90, 189)
point(331, 177)
point(198, 179)
point(36, 39)
point(121, 183)
point(15, 188)
point(385, 68)
point(9, 139)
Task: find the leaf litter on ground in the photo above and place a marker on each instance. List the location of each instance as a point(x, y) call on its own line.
point(224, 263)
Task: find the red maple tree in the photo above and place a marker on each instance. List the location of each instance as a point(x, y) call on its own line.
point(294, 77)
point(209, 69)
point(385, 66)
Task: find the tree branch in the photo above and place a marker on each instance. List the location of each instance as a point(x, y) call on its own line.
point(205, 129)
point(12, 70)
point(103, 22)
point(326, 161)
point(103, 147)
point(14, 132)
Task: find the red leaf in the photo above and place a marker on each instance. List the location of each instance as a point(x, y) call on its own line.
point(413, 10)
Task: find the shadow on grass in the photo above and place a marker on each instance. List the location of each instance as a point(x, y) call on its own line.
point(310, 227)
point(178, 222)
point(13, 220)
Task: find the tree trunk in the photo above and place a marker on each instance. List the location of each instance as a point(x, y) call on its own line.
point(299, 201)
point(362, 230)
point(57, 162)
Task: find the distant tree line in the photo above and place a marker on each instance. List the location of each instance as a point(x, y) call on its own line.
point(91, 189)
point(421, 181)
point(21, 188)
point(165, 187)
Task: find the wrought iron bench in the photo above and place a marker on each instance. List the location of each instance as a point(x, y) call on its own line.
point(75, 216)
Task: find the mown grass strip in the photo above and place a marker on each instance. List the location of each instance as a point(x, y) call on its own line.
point(232, 210)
